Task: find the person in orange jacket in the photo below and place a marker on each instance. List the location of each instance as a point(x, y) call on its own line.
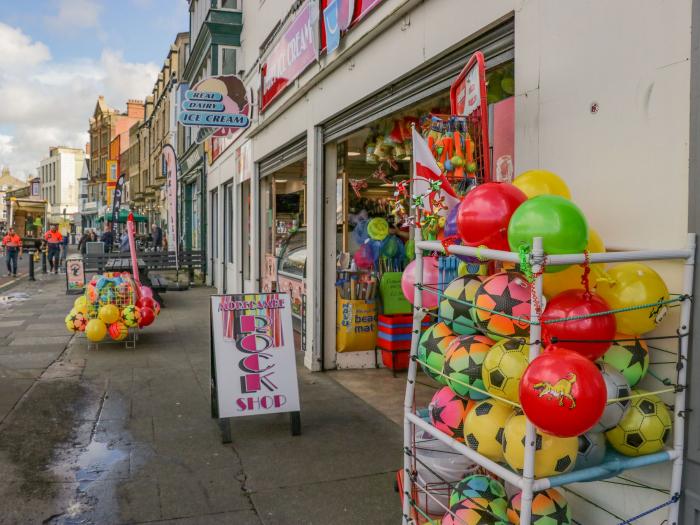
point(12, 244)
point(54, 239)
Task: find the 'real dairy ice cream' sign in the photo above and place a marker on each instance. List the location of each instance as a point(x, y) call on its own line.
point(216, 105)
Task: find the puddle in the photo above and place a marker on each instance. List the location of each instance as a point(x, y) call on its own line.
point(95, 461)
point(14, 297)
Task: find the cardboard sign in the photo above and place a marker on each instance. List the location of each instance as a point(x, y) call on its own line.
point(75, 275)
point(252, 350)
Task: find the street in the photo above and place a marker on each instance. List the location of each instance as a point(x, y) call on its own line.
point(111, 436)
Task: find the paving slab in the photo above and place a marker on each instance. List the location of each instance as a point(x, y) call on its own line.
point(40, 340)
point(368, 499)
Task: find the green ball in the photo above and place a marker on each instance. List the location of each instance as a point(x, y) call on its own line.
point(630, 358)
point(432, 348)
point(559, 222)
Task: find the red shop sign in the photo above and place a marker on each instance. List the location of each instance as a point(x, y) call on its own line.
point(350, 12)
point(296, 50)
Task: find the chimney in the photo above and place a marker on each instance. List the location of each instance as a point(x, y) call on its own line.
point(149, 105)
point(134, 109)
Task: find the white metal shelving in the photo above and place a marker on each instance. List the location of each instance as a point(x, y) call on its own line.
point(527, 481)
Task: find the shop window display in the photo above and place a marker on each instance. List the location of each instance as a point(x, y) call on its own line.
point(373, 242)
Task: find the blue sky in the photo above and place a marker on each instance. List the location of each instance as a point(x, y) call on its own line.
point(140, 29)
point(57, 56)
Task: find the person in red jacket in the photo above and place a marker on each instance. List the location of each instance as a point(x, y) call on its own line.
point(54, 239)
point(12, 244)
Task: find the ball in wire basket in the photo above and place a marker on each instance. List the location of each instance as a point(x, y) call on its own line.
point(432, 348)
point(629, 355)
point(644, 429)
point(617, 388)
point(549, 507)
point(484, 427)
point(463, 362)
point(503, 367)
point(481, 492)
point(503, 293)
point(591, 449)
point(447, 412)
point(469, 513)
point(453, 308)
point(553, 455)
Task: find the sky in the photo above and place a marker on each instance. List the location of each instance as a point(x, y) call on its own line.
point(57, 56)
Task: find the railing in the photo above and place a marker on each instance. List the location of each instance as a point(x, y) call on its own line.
point(190, 260)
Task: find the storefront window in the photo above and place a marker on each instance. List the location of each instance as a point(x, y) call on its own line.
point(372, 225)
point(283, 236)
point(245, 228)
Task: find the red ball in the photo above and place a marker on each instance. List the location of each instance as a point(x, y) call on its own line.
point(146, 302)
point(147, 316)
point(563, 393)
point(596, 332)
point(484, 214)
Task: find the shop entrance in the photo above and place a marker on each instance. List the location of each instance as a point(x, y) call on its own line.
point(373, 240)
point(283, 245)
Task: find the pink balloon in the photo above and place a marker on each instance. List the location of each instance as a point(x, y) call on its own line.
point(430, 280)
point(363, 257)
point(146, 291)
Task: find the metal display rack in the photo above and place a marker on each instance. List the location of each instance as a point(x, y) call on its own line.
point(527, 482)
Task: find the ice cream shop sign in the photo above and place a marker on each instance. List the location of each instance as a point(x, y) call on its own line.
point(216, 105)
point(295, 50)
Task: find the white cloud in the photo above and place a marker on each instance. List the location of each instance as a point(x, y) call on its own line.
point(75, 14)
point(48, 103)
point(18, 51)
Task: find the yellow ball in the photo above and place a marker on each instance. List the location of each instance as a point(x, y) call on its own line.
point(644, 429)
point(109, 313)
point(570, 278)
point(503, 367)
point(80, 302)
point(95, 330)
point(634, 284)
point(484, 427)
point(553, 455)
point(70, 320)
point(541, 182)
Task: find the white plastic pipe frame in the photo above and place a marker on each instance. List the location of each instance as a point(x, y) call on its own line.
point(527, 482)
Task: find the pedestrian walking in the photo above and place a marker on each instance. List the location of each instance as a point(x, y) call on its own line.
point(12, 244)
point(54, 239)
point(157, 237)
point(107, 238)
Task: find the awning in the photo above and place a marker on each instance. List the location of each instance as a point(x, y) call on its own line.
point(123, 215)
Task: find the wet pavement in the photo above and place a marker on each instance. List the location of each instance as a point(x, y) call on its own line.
point(116, 436)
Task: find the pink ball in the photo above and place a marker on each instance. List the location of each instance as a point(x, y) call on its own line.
point(146, 291)
point(430, 279)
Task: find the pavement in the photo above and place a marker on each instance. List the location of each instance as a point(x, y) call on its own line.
point(111, 435)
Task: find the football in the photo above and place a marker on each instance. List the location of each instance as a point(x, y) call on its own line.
point(503, 293)
point(629, 355)
point(644, 429)
point(591, 449)
point(484, 427)
point(553, 455)
point(617, 387)
point(447, 411)
point(503, 367)
point(432, 348)
point(481, 492)
point(456, 303)
point(549, 507)
point(462, 366)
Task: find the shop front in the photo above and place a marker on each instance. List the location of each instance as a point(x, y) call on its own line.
point(192, 201)
point(368, 151)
